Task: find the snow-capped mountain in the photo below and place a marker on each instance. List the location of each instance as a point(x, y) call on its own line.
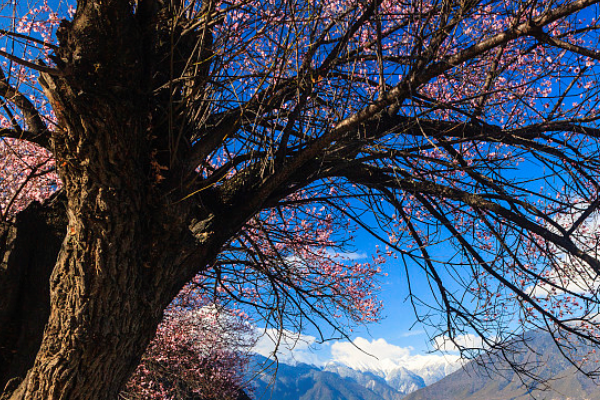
point(366, 379)
point(387, 380)
point(403, 378)
point(335, 380)
point(405, 381)
point(374, 368)
point(434, 370)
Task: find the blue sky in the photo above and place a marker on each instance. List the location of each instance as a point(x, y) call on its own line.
point(396, 335)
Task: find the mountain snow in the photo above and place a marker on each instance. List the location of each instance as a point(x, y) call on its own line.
point(374, 364)
point(405, 378)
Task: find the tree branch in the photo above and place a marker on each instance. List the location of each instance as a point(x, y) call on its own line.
point(29, 136)
point(29, 64)
point(30, 114)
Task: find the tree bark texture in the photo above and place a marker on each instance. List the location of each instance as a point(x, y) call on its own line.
point(123, 256)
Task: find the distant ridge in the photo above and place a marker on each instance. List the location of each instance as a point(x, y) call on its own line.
point(474, 382)
point(337, 381)
point(306, 382)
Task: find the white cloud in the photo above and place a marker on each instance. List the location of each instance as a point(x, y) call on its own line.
point(367, 353)
point(413, 333)
point(346, 256)
point(570, 279)
point(378, 354)
point(570, 273)
point(301, 263)
point(290, 347)
point(468, 341)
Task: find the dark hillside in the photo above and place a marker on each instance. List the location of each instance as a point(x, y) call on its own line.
point(476, 382)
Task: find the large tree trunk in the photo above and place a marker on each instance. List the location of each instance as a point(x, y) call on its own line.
point(121, 261)
point(104, 301)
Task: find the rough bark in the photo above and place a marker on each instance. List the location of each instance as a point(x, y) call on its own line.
point(121, 261)
point(29, 247)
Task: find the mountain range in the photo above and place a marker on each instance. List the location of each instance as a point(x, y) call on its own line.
point(489, 377)
point(547, 375)
point(336, 381)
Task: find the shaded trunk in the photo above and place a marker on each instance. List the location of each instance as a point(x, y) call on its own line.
point(104, 301)
point(111, 280)
point(29, 249)
point(105, 298)
point(127, 248)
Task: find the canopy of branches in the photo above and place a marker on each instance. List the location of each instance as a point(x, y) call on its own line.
point(236, 143)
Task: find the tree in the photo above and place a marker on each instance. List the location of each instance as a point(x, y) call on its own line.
point(226, 141)
point(199, 354)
